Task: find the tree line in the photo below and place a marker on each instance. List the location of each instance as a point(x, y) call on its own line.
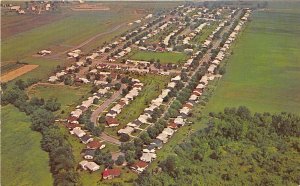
point(61, 159)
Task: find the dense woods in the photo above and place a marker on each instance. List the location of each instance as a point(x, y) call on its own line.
point(237, 148)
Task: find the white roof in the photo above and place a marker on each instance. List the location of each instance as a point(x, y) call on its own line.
point(168, 131)
point(126, 130)
point(148, 157)
point(179, 121)
point(78, 132)
point(92, 166)
point(76, 113)
point(177, 78)
point(171, 84)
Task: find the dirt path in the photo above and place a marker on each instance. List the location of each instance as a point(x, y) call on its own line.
point(89, 40)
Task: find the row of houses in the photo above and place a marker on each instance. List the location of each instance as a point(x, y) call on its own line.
point(120, 54)
point(147, 114)
point(110, 117)
point(68, 70)
point(220, 56)
point(173, 33)
point(191, 35)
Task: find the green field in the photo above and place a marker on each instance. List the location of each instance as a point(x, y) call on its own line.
point(23, 161)
point(68, 96)
point(200, 38)
point(164, 57)
point(264, 71)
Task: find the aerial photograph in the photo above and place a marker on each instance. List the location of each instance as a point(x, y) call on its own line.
point(150, 93)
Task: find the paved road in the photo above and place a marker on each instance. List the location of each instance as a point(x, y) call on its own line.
point(99, 110)
point(105, 104)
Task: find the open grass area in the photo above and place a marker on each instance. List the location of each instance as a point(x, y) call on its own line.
point(23, 162)
point(153, 85)
point(68, 96)
point(264, 71)
point(200, 38)
point(163, 57)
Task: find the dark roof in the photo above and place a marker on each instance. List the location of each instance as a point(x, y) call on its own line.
point(137, 122)
point(157, 142)
point(151, 146)
point(85, 138)
point(90, 152)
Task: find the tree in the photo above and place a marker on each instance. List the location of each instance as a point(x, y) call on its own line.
point(97, 130)
point(68, 80)
point(145, 137)
point(103, 158)
point(124, 137)
point(102, 119)
point(108, 79)
point(153, 132)
point(120, 160)
point(41, 119)
point(169, 164)
point(52, 104)
point(52, 138)
point(117, 86)
point(130, 157)
point(21, 84)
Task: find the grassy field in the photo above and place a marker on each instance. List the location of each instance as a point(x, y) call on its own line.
point(153, 85)
point(68, 96)
point(23, 161)
point(164, 57)
point(264, 71)
point(200, 38)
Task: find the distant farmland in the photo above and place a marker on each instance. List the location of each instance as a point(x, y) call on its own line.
point(264, 71)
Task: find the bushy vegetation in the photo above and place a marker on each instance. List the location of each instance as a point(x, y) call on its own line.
point(62, 164)
point(238, 148)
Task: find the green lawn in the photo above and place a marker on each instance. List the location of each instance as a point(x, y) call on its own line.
point(164, 57)
point(23, 161)
point(200, 38)
point(264, 71)
point(153, 85)
point(68, 96)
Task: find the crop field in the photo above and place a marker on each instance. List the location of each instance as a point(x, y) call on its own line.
point(68, 96)
point(153, 85)
point(17, 72)
point(43, 71)
point(163, 57)
point(264, 71)
point(23, 162)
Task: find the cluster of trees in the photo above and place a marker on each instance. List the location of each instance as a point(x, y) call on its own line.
point(237, 147)
point(53, 141)
point(85, 119)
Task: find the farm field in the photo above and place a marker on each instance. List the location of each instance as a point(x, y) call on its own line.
point(23, 161)
point(163, 57)
point(17, 72)
point(264, 71)
point(153, 85)
point(68, 96)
